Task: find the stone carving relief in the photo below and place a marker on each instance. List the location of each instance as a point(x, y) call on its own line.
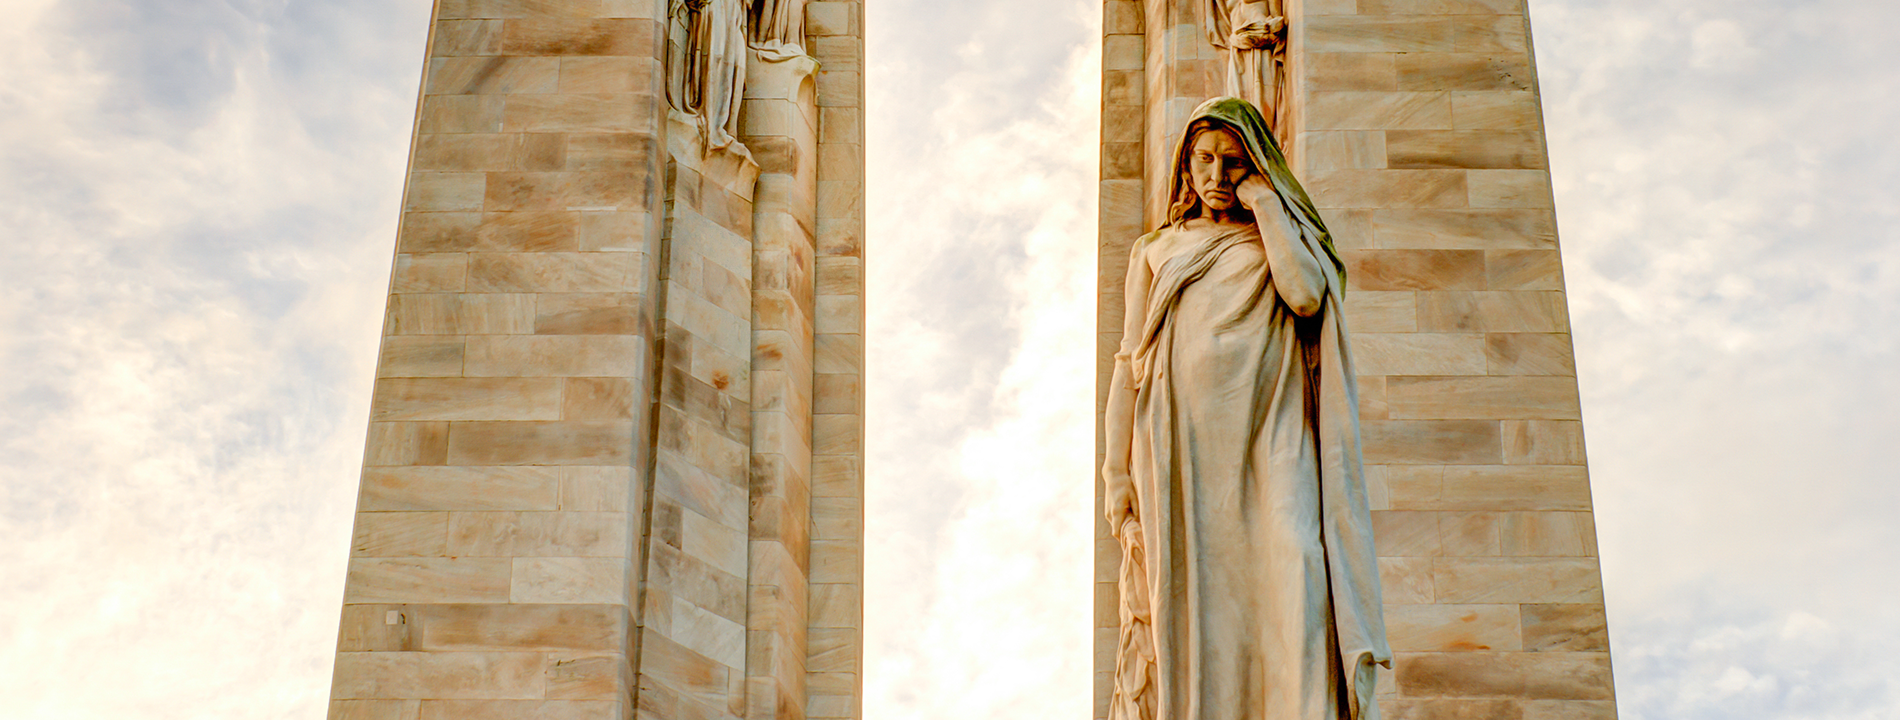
point(1252, 34)
point(1233, 478)
point(778, 23)
point(706, 63)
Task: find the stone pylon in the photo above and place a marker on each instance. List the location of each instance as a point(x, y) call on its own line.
point(1417, 127)
point(615, 460)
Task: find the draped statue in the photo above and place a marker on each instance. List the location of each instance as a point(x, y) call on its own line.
point(1233, 478)
point(778, 23)
point(706, 59)
point(1253, 34)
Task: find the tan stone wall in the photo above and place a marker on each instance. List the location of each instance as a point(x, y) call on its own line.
point(615, 463)
point(1421, 139)
point(835, 36)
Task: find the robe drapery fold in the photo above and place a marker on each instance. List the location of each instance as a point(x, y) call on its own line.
point(1249, 583)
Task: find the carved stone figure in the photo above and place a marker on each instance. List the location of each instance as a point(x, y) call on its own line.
point(1253, 34)
point(778, 22)
point(706, 64)
point(1249, 586)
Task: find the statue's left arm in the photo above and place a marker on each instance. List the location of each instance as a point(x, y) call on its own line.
point(1297, 274)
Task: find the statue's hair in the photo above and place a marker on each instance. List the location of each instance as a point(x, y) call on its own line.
point(1186, 202)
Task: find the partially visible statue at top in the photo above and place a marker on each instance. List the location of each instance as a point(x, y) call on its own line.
point(1253, 32)
point(778, 23)
point(706, 51)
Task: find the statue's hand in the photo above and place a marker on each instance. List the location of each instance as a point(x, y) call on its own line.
point(1118, 498)
point(1257, 194)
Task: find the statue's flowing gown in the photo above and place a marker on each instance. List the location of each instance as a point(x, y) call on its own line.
point(1234, 514)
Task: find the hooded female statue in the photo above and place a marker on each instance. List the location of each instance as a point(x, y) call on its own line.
point(1249, 586)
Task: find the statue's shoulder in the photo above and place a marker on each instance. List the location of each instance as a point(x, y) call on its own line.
point(1146, 241)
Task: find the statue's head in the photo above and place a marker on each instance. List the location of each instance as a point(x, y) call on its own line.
point(1217, 161)
point(1226, 141)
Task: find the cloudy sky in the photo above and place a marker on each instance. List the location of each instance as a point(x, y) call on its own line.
point(197, 207)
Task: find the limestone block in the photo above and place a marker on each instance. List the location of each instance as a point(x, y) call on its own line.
point(1470, 534)
point(1375, 34)
point(1474, 149)
point(1389, 189)
point(1352, 71)
point(549, 272)
point(1406, 581)
point(517, 627)
point(407, 444)
point(492, 75)
point(577, 36)
point(555, 356)
point(707, 634)
point(837, 606)
point(420, 356)
point(1464, 229)
point(423, 580)
point(1570, 710)
point(461, 114)
point(718, 545)
point(1546, 676)
point(1510, 188)
point(1451, 398)
point(464, 153)
point(441, 489)
point(1342, 150)
point(1123, 52)
point(597, 489)
point(1504, 72)
point(569, 580)
point(1529, 354)
point(1378, 110)
point(1453, 628)
point(522, 8)
point(1488, 487)
point(588, 676)
point(1504, 312)
point(438, 675)
point(1418, 354)
point(398, 399)
point(539, 151)
point(400, 534)
point(1566, 628)
point(1449, 709)
point(1432, 442)
point(1549, 534)
point(1496, 111)
point(1441, 7)
point(1382, 312)
point(837, 476)
point(692, 580)
point(1517, 580)
point(459, 38)
point(458, 314)
point(1415, 270)
point(433, 273)
point(375, 710)
point(510, 709)
point(538, 534)
point(1543, 442)
point(445, 192)
point(1401, 533)
point(540, 443)
point(1496, 34)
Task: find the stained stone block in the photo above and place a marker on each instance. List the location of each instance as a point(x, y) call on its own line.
point(1454, 628)
point(1464, 229)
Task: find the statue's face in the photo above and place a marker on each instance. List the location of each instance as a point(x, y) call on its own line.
point(1218, 162)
